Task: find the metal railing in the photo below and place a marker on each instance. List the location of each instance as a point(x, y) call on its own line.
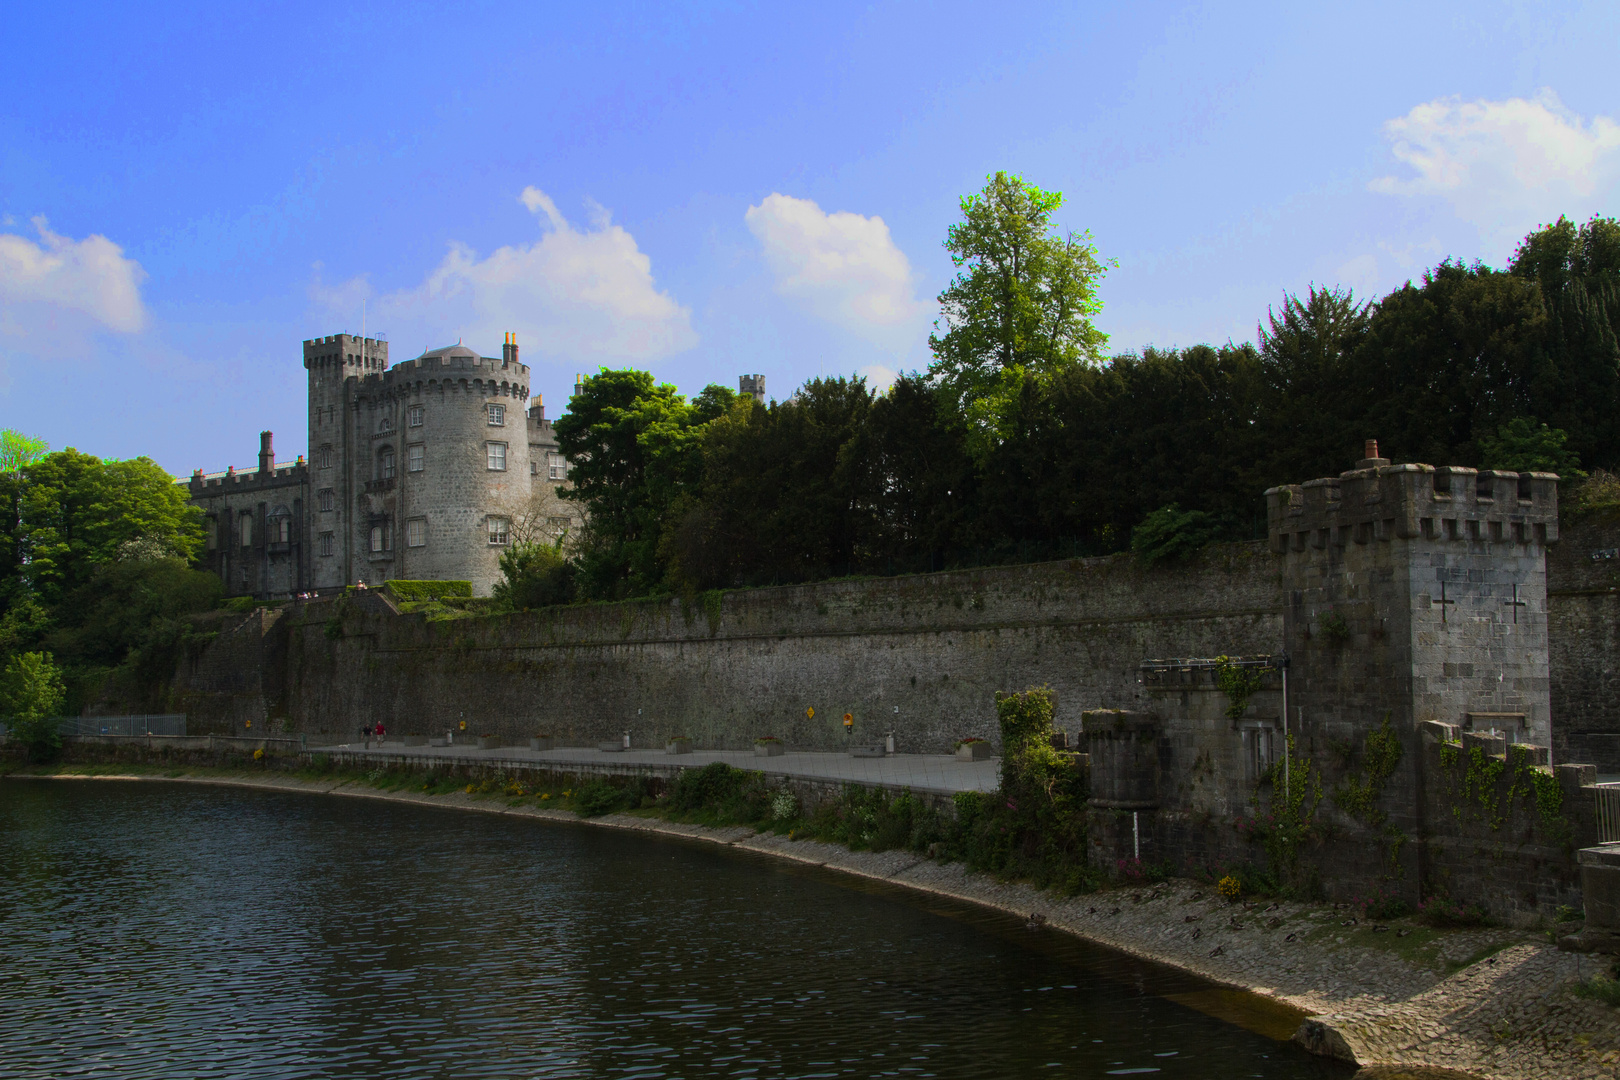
point(153, 724)
point(1608, 812)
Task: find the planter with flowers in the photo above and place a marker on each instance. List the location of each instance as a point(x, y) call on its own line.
point(972, 748)
point(769, 746)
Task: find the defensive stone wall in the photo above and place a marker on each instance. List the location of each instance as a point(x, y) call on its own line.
point(1583, 615)
point(1500, 827)
point(233, 680)
point(922, 656)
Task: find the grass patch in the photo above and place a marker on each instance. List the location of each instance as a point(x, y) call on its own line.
point(1598, 988)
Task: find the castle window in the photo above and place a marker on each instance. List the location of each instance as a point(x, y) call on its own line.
point(413, 416)
point(414, 456)
point(499, 530)
point(211, 528)
point(326, 544)
point(495, 456)
point(534, 467)
point(279, 530)
point(497, 415)
point(557, 466)
point(324, 456)
point(416, 532)
point(327, 500)
point(244, 526)
point(385, 464)
point(382, 538)
point(387, 424)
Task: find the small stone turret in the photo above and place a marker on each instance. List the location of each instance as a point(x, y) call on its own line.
point(752, 386)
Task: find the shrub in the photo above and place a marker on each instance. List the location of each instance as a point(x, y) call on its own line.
point(1229, 887)
point(1438, 911)
point(598, 797)
point(1382, 905)
point(1170, 533)
point(721, 792)
point(533, 575)
point(427, 590)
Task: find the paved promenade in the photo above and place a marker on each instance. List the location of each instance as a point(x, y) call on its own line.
point(935, 773)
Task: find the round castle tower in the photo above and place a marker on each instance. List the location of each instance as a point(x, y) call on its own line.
point(419, 468)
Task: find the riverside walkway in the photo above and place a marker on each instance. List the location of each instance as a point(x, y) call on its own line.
point(940, 774)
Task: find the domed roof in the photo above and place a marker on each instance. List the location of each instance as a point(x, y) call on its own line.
point(449, 351)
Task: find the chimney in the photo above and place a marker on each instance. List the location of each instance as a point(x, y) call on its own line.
point(537, 407)
point(579, 385)
point(267, 455)
point(1372, 460)
point(509, 351)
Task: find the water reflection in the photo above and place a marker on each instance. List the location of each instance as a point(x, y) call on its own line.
point(161, 930)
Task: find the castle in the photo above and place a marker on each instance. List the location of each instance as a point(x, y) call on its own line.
point(425, 470)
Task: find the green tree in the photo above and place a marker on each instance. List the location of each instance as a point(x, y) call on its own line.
point(1577, 384)
point(17, 449)
point(787, 492)
point(1311, 401)
point(1020, 307)
point(634, 448)
point(76, 511)
point(31, 695)
point(533, 575)
point(1522, 445)
point(1447, 360)
point(1172, 533)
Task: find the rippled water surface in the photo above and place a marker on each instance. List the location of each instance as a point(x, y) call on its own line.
point(155, 930)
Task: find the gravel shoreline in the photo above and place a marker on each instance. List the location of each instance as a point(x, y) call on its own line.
point(1494, 1003)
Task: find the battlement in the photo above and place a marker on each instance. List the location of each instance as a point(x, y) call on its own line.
point(347, 353)
point(1385, 502)
point(752, 386)
point(283, 474)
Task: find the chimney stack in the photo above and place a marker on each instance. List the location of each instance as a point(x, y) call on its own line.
point(267, 455)
point(1372, 460)
point(509, 351)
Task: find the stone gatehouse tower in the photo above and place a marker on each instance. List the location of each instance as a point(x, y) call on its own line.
point(427, 469)
point(1407, 593)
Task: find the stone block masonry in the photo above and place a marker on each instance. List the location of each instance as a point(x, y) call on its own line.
point(920, 656)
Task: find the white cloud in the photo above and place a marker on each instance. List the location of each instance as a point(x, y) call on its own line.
point(1505, 166)
point(66, 289)
point(843, 267)
point(577, 295)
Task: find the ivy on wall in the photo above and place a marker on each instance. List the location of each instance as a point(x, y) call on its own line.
point(1239, 684)
point(1489, 800)
point(1293, 788)
point(1358, 794)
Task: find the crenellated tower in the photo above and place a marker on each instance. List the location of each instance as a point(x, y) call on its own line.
point(336, 365)
point(1414, 593)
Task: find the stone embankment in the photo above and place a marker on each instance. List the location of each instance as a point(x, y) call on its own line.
point(1494, 1003)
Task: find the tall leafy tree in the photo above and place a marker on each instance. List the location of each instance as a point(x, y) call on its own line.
point(1313, 401)
point(633, 449)
point(17, 449)
point(1020, 307)
point(1577, 389)
point(75, 511)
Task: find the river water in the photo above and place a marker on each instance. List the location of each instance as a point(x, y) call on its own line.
point(166, 930)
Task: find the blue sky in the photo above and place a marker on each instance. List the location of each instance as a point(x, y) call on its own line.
point(187, 192)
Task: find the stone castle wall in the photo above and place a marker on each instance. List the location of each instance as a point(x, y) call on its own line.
point(922, 656)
